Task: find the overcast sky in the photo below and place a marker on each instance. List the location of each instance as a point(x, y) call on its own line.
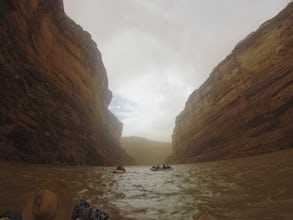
point(157, 52)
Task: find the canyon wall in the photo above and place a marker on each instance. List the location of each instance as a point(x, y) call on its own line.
point(245, 107)
point(54, 89)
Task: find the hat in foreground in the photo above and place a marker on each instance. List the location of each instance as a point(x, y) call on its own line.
point(53, 201)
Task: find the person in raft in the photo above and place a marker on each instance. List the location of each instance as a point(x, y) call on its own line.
point(53, 201)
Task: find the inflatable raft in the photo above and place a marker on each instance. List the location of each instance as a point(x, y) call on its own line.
point(119, 171)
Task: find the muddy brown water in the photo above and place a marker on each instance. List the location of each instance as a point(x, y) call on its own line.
point(259, 187)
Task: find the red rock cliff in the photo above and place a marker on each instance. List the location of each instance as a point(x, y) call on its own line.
point(246, 105)
point(54, 89)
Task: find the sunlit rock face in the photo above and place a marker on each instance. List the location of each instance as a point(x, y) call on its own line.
point(245, 107)
point(54, 89)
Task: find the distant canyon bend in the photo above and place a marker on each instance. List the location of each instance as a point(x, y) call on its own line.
point(55, 97)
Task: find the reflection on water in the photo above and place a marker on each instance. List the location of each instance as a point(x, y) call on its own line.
point(252, 188)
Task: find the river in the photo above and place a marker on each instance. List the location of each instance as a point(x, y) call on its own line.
point(259, 187)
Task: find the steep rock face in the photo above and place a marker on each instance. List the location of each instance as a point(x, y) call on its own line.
point(246, 105)
point(54, 89)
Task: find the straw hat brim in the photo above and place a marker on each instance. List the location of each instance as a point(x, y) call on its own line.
point(65, 198)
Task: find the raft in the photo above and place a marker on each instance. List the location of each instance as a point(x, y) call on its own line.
point(119, 171)
point(161, 169)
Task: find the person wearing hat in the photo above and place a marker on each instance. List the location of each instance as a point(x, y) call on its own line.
point(53, 201)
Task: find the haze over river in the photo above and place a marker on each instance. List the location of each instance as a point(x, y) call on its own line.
point(259, 187)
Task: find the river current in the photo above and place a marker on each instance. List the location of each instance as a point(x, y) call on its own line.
point(259, 187)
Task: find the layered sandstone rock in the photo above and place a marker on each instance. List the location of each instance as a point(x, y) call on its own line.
point(54, 89)
point(246, 105)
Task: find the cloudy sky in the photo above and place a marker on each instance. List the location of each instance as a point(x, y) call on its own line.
point(157, 52)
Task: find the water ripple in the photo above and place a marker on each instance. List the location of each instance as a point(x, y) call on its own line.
point(249, 188)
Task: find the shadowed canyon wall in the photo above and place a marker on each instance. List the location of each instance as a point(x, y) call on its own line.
point(245, 107)
point(54, 89)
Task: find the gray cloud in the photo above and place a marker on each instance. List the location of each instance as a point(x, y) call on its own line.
point(122, 107)
point(157, 52)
